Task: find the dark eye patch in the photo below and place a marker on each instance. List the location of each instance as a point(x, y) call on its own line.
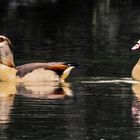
point(1, 39)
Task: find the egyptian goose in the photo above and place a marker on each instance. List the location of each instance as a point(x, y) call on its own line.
point(32, 72)
point(136, 69)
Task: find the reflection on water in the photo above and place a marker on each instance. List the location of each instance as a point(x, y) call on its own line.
point(136, 90)
point(49, 110)
point(105, 80)
point(30, 90)
point(34, 111)
point(6, 104)
point(35, 92)
point(7, 94)
point(136, 103)
point(136, 109)
point(52, 90)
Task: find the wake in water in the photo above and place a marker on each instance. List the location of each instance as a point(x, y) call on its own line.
point(99, 80)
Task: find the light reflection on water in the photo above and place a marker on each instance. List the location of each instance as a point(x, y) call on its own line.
point(98, 80)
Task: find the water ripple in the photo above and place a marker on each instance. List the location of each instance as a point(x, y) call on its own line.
point(98, 80)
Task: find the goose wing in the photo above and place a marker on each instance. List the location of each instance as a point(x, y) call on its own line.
point(58, 67)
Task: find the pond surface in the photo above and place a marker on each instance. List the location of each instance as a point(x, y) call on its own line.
point(99, 101)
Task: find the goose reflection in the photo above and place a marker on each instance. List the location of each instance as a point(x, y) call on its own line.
point(136, 102)
point(136, 90)
point(51, 90)
point(33, 90)
point(7, 94)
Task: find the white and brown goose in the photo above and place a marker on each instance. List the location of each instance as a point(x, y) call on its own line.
point(136, 68)
point(32, 72)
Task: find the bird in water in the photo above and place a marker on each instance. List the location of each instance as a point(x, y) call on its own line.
point(136, 68)
point(31, 72)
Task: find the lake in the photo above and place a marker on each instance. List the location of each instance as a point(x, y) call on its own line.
point(99, 101)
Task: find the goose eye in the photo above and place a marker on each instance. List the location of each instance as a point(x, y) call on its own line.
point(1, 39)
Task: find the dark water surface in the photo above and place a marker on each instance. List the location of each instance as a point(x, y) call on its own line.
point(99, 102)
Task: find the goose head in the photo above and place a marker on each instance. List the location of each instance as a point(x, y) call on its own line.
point(6, 56)
point(136, 46)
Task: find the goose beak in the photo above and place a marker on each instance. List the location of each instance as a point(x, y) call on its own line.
point(136, 47)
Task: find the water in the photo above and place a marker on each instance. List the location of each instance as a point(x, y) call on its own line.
point(100, 101)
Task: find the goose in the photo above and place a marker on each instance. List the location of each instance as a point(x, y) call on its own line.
point(136, 68)
point(31, 72)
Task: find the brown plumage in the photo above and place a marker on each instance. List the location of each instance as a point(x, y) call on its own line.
point(32, 72)
point(58, 67)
